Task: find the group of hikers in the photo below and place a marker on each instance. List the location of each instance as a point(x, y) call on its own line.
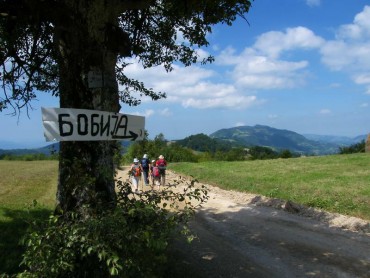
point(147, 170)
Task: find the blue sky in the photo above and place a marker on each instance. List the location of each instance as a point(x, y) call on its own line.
point(300, 65)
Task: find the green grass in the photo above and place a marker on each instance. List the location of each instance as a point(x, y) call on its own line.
point(336, 183)
point(21, 182)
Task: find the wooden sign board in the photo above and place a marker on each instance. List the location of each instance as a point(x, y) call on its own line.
point(68, 124)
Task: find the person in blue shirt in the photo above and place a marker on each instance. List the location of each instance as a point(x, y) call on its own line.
point(145, 165)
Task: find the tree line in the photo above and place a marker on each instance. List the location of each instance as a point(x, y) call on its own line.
point(354, 148)
point(199, 148)
point(195, 148)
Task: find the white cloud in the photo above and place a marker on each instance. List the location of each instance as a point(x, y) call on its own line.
point(202, 54)
point(364, 105)
point(239, 124)
point(313, 3)
point(325, 111)
point(147, 113)
point(150, 112)
point(228, 56)
point(166, 112)
point(346, 56)
point(191, 87)
point(275, 42)
point(350, 50)
point(359, 30)
point(335, 85)
point(258, 72)
point(234, 102)
point(161, 80)
point(261, 67)
point(362, 78)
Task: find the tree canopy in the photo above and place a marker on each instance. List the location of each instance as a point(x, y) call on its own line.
point(158, 32)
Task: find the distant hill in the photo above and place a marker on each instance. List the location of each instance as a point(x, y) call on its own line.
point(340, 140)
point(277, 139)
point(204, 143)
point(47, 150)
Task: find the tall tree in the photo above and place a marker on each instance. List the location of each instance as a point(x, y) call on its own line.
point(58, 46)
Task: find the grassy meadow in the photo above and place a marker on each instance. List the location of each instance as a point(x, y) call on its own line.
point(21, 182)
point(337, 183)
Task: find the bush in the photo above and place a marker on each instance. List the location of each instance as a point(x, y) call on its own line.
point(129, 241)
point(258, 152)
point(286, 154)
point(355, 148)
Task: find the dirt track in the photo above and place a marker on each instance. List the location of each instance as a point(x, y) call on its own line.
point(244, 235)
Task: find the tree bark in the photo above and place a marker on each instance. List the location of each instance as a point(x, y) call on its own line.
point(87, 81)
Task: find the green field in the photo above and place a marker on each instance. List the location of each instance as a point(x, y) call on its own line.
point(21, 182)
point(337, 183)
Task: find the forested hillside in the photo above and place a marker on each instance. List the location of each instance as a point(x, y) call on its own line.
point(276, 139)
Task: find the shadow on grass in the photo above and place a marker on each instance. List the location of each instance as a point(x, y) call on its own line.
point(12, 230)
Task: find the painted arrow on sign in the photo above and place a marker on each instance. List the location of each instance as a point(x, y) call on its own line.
point(67, 124)
point(133, 136)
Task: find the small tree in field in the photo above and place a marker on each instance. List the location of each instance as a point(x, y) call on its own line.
point(55, 46)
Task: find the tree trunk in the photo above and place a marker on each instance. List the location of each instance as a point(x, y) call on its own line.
point(87, 81)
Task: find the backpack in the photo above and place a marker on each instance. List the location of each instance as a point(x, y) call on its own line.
point(144, 163)
point(136, 170)
point(162, 167)
point(155, 171)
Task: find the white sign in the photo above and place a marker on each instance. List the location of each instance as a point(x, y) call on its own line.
point(67, 124)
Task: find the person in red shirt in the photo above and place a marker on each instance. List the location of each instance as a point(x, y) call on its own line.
point(162, 165)
point(154, 173)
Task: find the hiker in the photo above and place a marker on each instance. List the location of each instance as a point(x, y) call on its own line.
point(145, 164)
point(135, 172)
point(155, 175)
point(162, 165)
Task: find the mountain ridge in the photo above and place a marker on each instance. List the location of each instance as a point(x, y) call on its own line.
point(280, 139)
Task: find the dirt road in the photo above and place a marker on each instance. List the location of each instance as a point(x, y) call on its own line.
point(244, 235)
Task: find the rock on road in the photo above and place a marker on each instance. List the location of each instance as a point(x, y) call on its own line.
point(239, 238)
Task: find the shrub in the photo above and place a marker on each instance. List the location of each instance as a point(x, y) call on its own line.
point(258, 152)
point(286, 154)
point(355, 148)
point(129, 241)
